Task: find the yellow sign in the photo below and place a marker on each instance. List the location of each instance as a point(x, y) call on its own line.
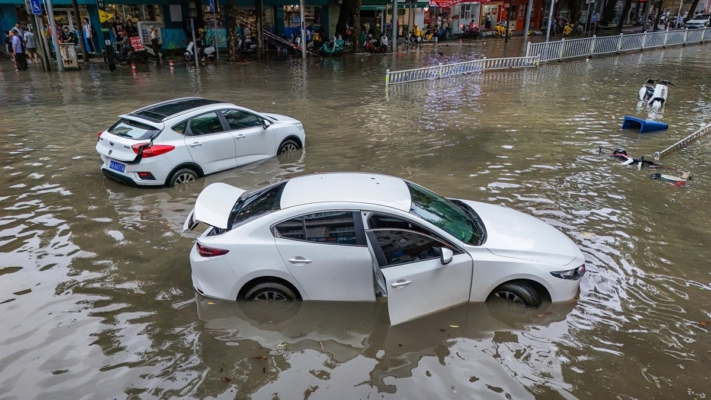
point(104, 16)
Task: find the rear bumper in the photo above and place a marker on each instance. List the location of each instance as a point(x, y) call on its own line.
point(118, 177)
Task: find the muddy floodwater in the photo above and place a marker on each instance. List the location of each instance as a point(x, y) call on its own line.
point(96, 300)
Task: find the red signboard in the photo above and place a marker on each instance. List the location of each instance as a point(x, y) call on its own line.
point(136, 44)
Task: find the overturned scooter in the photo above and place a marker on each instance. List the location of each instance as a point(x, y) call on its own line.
point(654, 92)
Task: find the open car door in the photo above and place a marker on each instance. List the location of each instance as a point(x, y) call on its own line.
point(422, 274)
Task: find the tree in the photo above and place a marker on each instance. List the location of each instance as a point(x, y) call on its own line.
point(343, 17)
point(692, 10)
point(625, 12)
point(608, 12)
point(658, 13)
point(355, 9)
point(260, 27)
point(232, 29)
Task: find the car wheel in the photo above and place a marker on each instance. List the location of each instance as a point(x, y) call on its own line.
point(287, 146)
point(518, 293)
point(270, 292)
point(182, 176)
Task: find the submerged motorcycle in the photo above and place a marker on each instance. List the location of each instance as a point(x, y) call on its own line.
point(334, 47)
point(654, 92)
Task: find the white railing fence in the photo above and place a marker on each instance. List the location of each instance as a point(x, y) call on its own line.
point(588, 47)
point(467, 67)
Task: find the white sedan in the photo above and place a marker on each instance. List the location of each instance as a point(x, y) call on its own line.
point(177, 141)
point(358, 236)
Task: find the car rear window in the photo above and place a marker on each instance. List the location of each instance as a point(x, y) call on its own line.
point(132, 129)
point(257, 204)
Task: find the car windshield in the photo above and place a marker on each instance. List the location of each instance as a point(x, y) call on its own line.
point(444, 214)
point(133, 130)
point(257, 204)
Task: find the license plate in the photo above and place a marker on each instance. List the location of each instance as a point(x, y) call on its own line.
point(117, 166)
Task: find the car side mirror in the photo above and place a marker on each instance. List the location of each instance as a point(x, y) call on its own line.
point(446, 255)
point(265, 124)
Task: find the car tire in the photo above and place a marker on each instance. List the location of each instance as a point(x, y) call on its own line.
point(270, 291)
point(181, 176)
point(287, 146)
point(518, 293)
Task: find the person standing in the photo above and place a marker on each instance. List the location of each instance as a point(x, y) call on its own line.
point(18, 52)
point(30, 47)
point(89, 35)
point(154, 44)
point(8, 42)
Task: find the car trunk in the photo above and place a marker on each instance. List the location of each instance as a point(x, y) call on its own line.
point(214, 206)
point(118, 147)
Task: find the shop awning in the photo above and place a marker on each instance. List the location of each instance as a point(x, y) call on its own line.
point(372, 8)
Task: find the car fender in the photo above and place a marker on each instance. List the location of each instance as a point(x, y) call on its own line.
point(266, 273)
point(485, 293)
point(280, 138)
point(185, 165)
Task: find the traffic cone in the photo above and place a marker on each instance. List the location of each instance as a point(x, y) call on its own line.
point(171, 64)
point(133, 68)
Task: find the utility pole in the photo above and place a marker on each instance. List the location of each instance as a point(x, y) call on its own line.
point(508, 19)
point(303, 29)
point(394, 22)
point(550, 21)
point(105, 29)
point(82, 43)
point(55, 42)
point(195, 46)
point(42, 40)
point(528, 20)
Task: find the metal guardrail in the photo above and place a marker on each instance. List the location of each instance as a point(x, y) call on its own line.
point(588, 47)
point(683, 142)
point(467, 67)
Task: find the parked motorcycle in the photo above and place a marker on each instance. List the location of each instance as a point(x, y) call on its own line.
point(209, 51)
point(373, 45)
point(334, 47)
point(654, 92)
point(472, 32)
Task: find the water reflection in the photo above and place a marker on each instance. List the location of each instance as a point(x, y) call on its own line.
point(328, 336)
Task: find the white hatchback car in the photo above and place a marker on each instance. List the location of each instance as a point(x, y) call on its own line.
point(358, 236)
point(177, 141)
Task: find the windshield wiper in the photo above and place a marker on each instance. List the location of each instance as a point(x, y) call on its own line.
point(474, 218)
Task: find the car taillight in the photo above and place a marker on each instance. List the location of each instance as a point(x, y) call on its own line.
point(210, 251)
point(98, 137)
point(155, 150)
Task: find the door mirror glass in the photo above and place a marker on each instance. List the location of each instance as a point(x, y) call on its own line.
point(446, 255)
point(265, 124)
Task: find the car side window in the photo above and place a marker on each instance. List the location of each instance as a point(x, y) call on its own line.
point(292, 229)
point(180, 128)
point(402, 247)
point(328, 227)
point(383, 221)
point(238, 119)
point(206, 124)
point(335, 227)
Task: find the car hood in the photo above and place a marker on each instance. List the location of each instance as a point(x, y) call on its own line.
point(511, 233)
point(282, 118)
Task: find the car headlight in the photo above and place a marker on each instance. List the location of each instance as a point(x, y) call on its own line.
point(300, 126)
point(571, 274)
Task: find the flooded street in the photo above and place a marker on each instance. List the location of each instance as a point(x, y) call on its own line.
point(95, 291)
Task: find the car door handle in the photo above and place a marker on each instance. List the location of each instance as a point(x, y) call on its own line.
point(238, 137)
point(299, 260)
point(400, 283)
point(196, 144)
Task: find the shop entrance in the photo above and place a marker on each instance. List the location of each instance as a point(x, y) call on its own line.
point(492, 11)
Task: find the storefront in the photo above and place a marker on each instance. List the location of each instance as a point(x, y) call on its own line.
point(464, 13)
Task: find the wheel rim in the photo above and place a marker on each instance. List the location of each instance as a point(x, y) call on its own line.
point(510, 296)
point(288, 148)
point(184, 178)
point(269, 295)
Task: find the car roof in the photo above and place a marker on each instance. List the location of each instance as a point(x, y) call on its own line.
point(348, 187)
point(167, 109)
